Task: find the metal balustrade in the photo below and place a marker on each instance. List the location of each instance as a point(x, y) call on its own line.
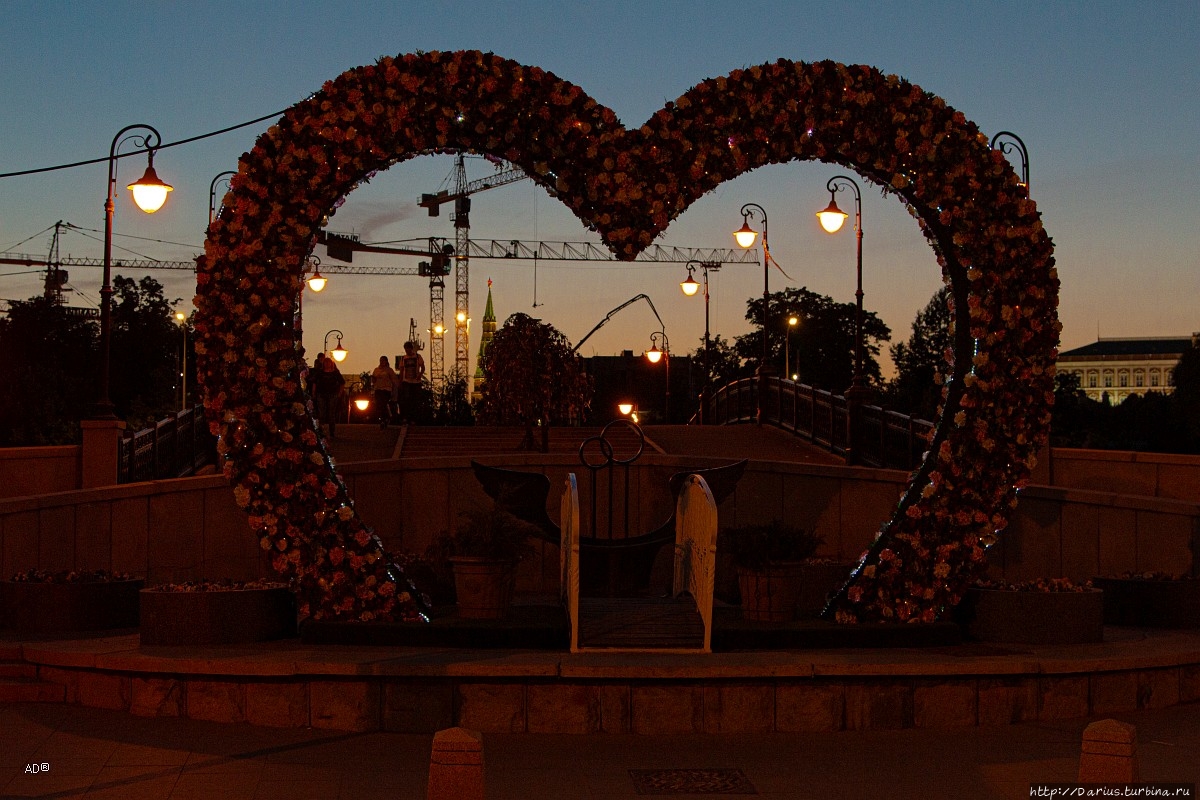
point(887, 439)
point(174, 447)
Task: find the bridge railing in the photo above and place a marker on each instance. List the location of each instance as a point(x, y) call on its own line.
point(174, 447)
point(887, 439)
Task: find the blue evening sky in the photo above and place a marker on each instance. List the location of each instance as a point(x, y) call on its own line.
point(1103, 93)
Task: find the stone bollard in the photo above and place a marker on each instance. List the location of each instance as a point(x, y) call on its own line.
point(456, 765)
point(1109, 753)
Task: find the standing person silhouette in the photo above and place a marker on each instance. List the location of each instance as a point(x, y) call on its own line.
point(327, 388)
point(384, 382)
point(412, 371)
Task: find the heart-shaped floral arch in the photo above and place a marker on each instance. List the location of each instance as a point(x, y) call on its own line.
point(628, 185)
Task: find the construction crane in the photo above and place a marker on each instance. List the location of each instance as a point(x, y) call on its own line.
point(461, 197)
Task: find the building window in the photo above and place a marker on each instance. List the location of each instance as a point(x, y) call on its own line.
point(1124, 378)
point(1154, 379)
point(1139, 379)
point(1091, 380)
point(1108, 380)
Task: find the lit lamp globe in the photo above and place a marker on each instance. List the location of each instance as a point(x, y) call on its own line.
point(439, 329)
point(625, 408)
point(689, 286)
point(317, 281)
point(654, 355)
point(180, 317)
point(832, 217)
point(339, 353)
point(361, 403)
point(149, 191)
point(745, 235)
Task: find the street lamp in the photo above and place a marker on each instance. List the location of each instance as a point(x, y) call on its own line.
point(212, 193)
point(338, 353)
point(792, 322)
point(654, 355)
point(149, 192)
point(181, 318)
point(832, 219)
point(690, 286)
point(1017, 145)
point(745, 237)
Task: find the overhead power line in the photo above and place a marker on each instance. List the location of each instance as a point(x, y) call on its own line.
point(103, 159)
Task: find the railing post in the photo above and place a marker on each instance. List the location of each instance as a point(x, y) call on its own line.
point(100, 452)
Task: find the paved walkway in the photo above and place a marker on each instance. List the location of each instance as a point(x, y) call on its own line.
point(93, 753)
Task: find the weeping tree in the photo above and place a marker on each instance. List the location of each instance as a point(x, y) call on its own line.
point(532, 377)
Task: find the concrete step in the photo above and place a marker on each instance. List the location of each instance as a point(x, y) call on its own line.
point(17, 669)
point(26, 690)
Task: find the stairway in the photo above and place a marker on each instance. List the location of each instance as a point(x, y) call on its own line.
point(19, 682)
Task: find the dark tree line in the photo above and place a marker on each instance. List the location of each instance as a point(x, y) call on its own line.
point(50, 364)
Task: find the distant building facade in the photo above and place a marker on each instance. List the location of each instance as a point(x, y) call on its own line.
point(1114, 369)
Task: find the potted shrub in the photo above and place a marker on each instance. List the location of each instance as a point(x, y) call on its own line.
point(217, 612)
point(38, 601)
point(483, 554)
point(770, 565)
point(1151, 599)
point(1041, 611)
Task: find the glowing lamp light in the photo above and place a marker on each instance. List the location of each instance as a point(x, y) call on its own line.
point(625, 408)
point(439, 329)
point(317, 281)
point(745, 235)
point(793, 321)
point(461, 317)
point(180, 316)
point(690, 286)
point(362, 403)
point(149, 191)
point(339, 353)
point(654, 355)
point(832, 217)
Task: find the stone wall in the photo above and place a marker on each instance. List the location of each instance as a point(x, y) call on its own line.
point(190, 528)
point(39, 470)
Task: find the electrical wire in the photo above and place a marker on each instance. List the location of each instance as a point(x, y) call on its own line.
point(70, 226)
point(10, 248)
point(189, 140)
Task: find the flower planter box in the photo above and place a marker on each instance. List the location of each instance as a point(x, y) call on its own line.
point(1150, 603)
point(770, 594)
point(1030, 617)
point(45, 607)
point(483, 587)
point(219, 616)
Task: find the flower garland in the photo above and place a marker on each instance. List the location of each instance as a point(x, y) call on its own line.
point(628, 185)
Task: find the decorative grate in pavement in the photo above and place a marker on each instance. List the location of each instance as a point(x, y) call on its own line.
point(691, 781)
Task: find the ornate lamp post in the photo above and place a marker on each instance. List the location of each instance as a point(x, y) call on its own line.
point(212, 193)
point(792, 322)
point(1017, 145)
point(689, 286)
point(181, 318)
point(149, 192)
point(338, 353)
point(745, 237)
point(654, 355)
point(832, 219)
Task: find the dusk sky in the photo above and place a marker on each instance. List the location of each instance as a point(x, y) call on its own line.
point(1104, 94)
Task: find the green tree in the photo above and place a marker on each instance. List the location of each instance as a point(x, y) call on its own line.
point(921, 358)
point(48, 360)
point(145, 352)
point(724, 363)
point(821, 347)
point(532, 378)
point(1186, 398)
